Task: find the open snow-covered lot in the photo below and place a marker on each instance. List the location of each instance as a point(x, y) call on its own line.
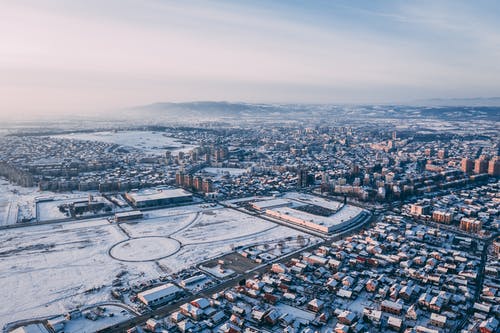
point(52, 268)
point(49, 269)
point(49, 210)
point(16, 203)
point(204, 233)
point(19, 203)
point(147, 141)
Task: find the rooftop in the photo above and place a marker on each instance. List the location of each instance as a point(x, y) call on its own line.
point(158, 194)
point(158, 292)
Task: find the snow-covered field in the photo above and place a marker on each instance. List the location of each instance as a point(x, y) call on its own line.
point(194, 253)
point(222, 224)
point(15, 202)
point(144, 249)
point(112, 316)
point(49, 210)
point(159, 226)
point(147, 141)
point(206, 233)
point(18, 203)
point(49, 269)
point(5, 211)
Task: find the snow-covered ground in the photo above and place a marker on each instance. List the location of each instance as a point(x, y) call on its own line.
point(218, 271)
point(49, 269)
point(222, 224)
point(18, 203)
point(113, 315)
point(296, 312)
point(190, 255)
point(159, 226)
point(181, 210)
point(144, 249)
point(49, 210)
point(206, 233)
point(149, 142)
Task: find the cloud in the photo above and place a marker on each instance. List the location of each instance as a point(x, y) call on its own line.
point(78, 56)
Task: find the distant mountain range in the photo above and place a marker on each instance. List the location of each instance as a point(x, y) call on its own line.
point(476, 101)
point(446, 109)
point(208, 110)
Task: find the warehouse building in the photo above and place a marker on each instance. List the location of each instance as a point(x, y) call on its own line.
point(158, 197)
point(159, 295)
point(128, 216)
point(345, 217)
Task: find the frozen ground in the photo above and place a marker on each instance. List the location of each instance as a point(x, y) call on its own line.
point(49, 269)
point(15, 202)
point(49, 210)
point(18, 203)
point(144, 249)
point(5, 211)
point(149, 142)
point(222, 224)
point(113, 315)
point(296, 312)
point(194, 253)
point(205, 233)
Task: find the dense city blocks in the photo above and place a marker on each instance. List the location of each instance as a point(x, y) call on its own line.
point(221, 166)
point(355, 224)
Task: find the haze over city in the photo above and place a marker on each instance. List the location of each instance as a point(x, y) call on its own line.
point(249, 166)
point(92, 57)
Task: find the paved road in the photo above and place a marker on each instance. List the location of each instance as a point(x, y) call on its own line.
point(479, 281)
point(167, 309)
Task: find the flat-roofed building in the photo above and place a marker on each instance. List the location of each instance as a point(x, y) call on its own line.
point(417, 209)
point(481, 165)
point(325, 224)
point(158, 197)
point(467, 165)
point(268, 204)
point(127, 216)
point(442, 216)
point(470, 225)
point(494, 167)
point(159, 295)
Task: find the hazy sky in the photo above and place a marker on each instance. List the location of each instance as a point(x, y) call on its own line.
point(96, 55)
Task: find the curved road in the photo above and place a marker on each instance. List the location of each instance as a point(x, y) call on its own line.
point(169, 308)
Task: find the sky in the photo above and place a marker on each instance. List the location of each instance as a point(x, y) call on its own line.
point(93, 56)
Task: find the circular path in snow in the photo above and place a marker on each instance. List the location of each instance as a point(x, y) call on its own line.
point(144, 249)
